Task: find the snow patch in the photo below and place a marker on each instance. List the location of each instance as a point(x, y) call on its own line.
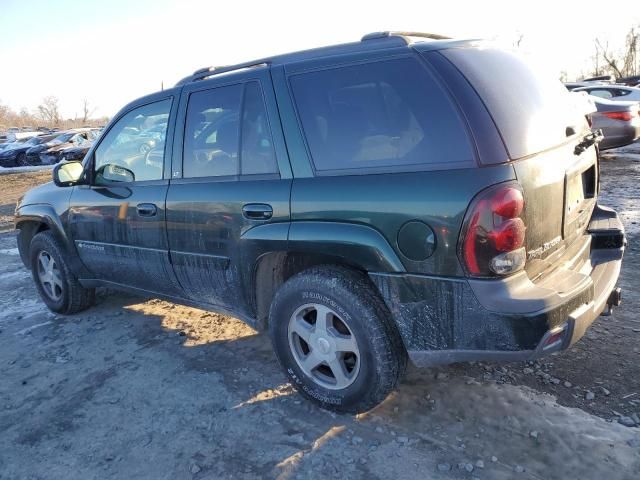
point(9, 251)
point(33, 327)
point(15, 274)
point(614, 156)
point(630, 151)
point(8, 170)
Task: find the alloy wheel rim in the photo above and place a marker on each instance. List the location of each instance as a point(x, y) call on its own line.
point(49, 275)
point(324, 346)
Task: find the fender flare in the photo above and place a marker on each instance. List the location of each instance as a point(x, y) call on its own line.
point(43, 213)
point(273, 252)
point(358, 245)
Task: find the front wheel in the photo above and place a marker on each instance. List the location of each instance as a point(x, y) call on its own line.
point(56, 284)
point(334, 338)
point(22, 160)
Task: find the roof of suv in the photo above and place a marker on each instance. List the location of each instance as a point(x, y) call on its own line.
point(371, 41)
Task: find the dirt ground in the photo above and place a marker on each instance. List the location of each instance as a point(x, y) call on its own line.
point(12, 187)
point(141, 388)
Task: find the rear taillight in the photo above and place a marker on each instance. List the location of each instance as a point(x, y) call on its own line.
point(492, 239)
point(625, 116)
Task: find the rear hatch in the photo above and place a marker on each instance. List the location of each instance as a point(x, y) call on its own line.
point(541, 125)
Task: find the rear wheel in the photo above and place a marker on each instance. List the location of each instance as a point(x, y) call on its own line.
point(56, 284)
point(332, 335)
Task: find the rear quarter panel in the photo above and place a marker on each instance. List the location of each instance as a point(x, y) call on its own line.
point(385, 202)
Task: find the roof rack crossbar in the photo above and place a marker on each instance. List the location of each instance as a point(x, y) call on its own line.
point(431, 36)
point(206, 72)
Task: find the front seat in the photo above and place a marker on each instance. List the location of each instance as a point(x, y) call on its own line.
point(224, 160)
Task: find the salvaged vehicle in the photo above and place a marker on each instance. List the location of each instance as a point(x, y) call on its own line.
point(52, 152)
point(619, 122)
point(14, 154)
point(405, 196)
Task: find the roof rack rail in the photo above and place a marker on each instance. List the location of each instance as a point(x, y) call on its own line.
point(207, 72)
point(377, 35)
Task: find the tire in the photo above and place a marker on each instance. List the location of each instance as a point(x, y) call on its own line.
point(56, 284)
point(21, 161)
point(359, 342)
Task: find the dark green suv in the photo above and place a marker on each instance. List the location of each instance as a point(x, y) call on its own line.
point(403, 196)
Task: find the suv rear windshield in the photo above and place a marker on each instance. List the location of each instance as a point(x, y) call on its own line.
point(387, 115)
point(532, 110)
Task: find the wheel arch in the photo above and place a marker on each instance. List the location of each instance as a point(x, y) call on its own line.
point(310, 244)
point(36, 218)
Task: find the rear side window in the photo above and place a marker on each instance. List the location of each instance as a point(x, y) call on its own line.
point(530, 107)
point(227, 133)
point(258, 156)
point(621, 93)
point(601, 93)
point(388, 115)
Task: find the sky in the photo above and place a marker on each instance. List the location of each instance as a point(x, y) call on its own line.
point(111, 52)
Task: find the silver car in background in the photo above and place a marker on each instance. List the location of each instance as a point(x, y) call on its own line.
point(619, 122)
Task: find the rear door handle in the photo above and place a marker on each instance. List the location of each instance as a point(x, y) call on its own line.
point(147, 210)
point(257, 211)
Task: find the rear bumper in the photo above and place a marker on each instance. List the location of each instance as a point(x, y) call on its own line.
point(620, 135)
point(444, 320)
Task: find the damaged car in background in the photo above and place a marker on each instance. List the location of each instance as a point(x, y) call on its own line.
point(52, 152)
point(14, 154)
point(405, 197)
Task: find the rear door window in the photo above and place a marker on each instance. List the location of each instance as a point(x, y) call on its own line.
point(212, 133)
point(388, 115)
point(227, 133)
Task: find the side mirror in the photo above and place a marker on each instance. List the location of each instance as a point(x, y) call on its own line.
point(115, 173)
point(67, 173)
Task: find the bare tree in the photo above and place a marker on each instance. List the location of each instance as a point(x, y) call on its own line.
point(621, 64)
point(22, 118)
point(5, 114)
point(87, 111)
point(597, 66)
point(518, 41)
point(49, 112)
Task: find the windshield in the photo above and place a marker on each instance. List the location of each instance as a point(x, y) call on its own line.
point(62, 138)
point(33, 141)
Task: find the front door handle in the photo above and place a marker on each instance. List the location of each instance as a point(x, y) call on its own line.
point(147, 210)
point(257, 211)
